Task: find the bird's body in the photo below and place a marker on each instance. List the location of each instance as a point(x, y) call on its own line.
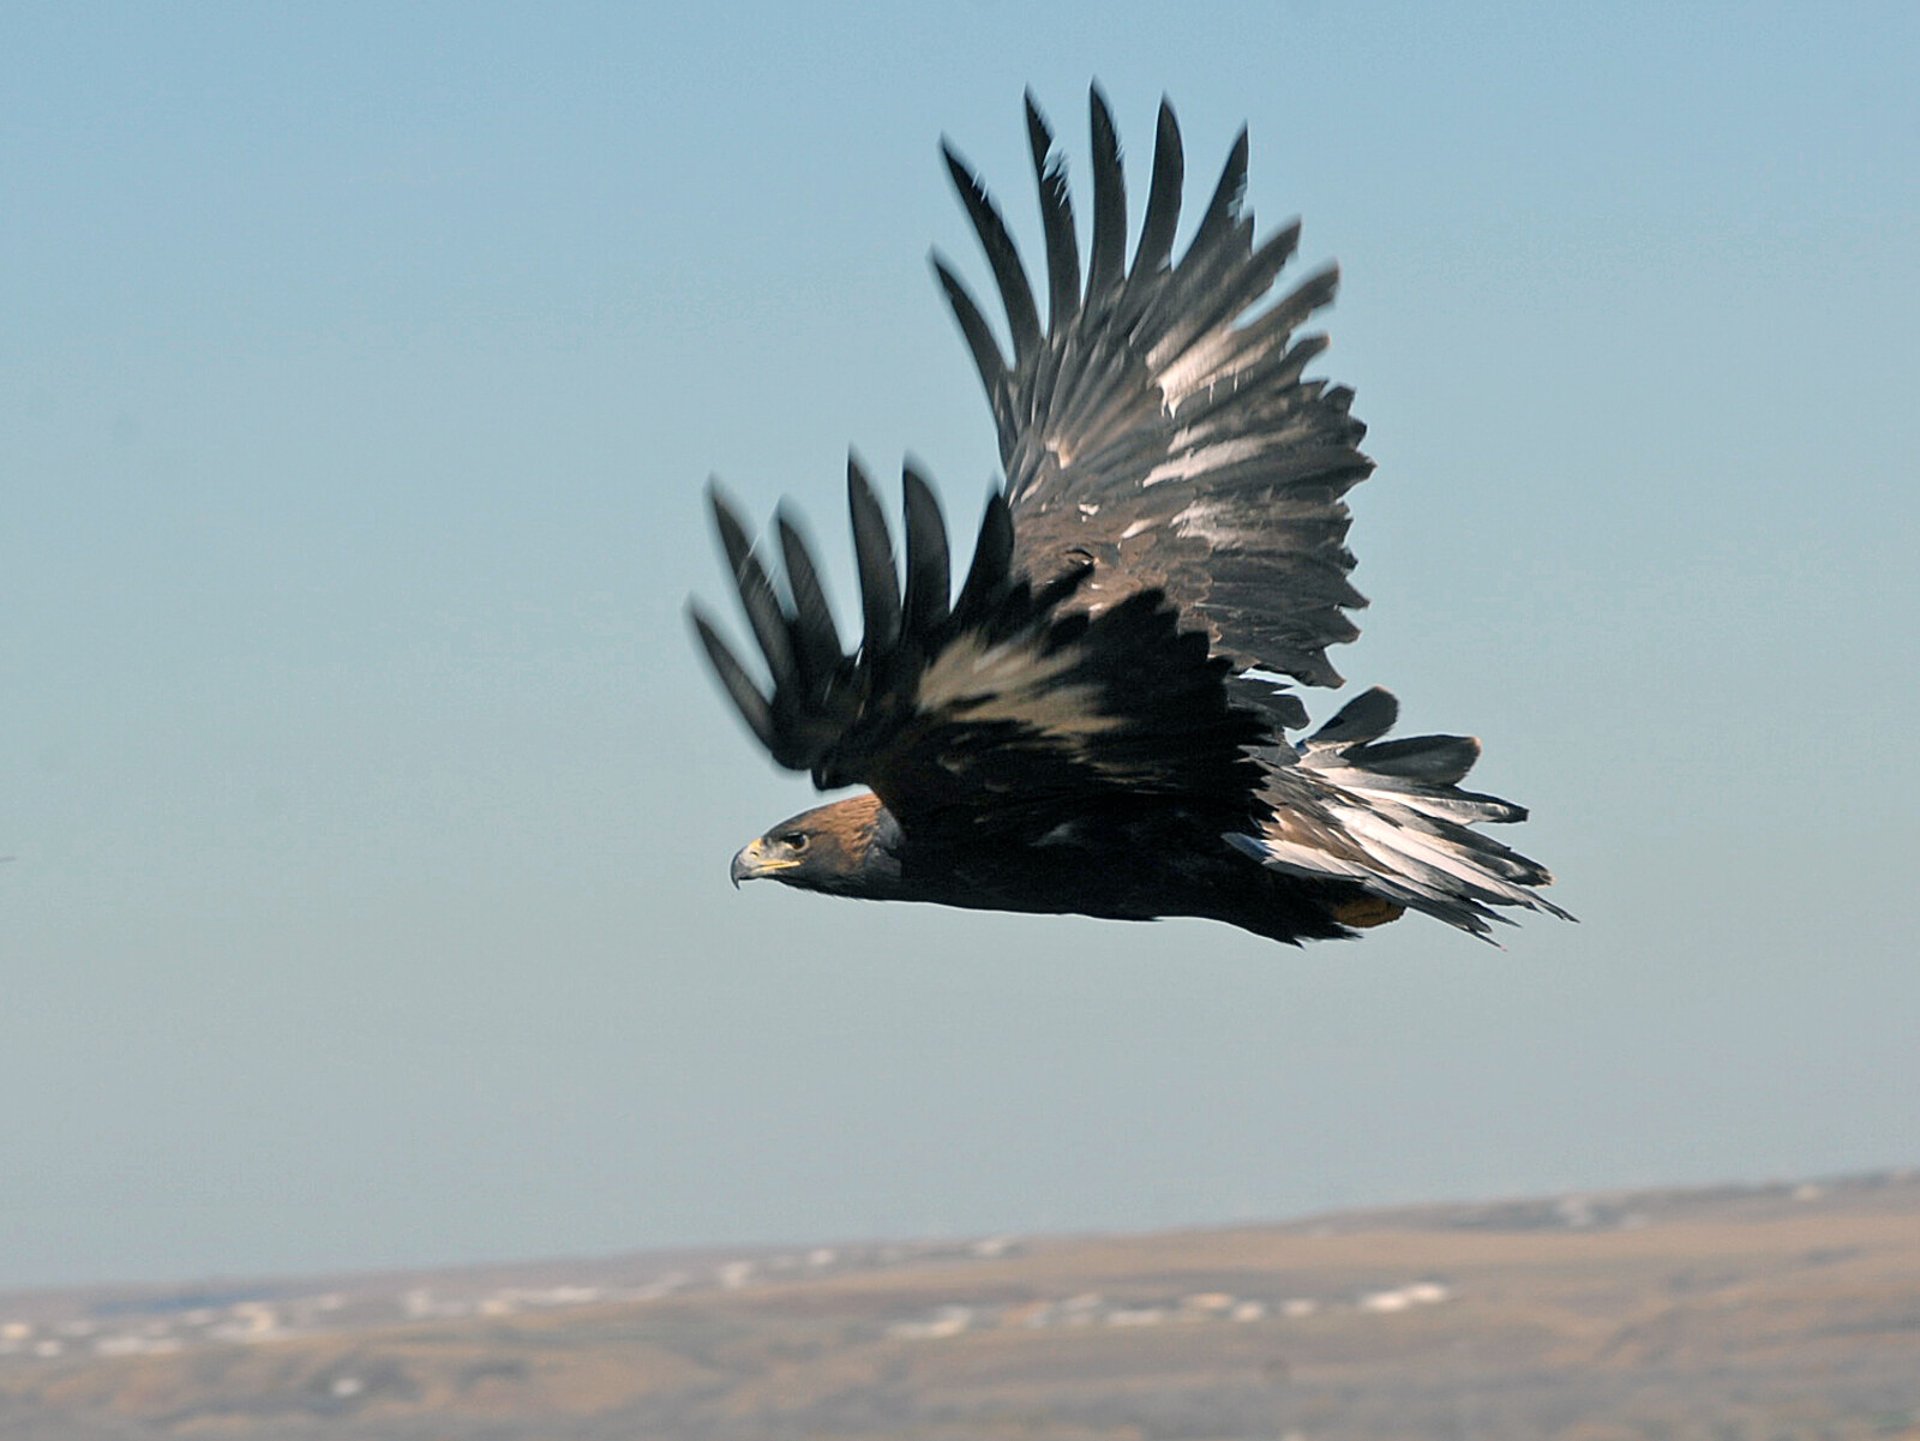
point(1149, 864)
point(1096, 724)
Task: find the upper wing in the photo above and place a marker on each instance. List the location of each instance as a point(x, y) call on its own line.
point(995, 711)
point(1156, 427)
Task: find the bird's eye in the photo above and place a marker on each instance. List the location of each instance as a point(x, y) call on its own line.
point(793, 840)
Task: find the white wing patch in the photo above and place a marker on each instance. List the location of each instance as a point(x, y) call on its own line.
point(1203, 460)
point(1206, 363)
point(1012, 680)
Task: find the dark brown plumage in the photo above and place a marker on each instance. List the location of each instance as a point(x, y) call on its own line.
point(1095, 724)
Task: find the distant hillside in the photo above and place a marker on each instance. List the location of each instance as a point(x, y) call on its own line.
point(1734, 1314)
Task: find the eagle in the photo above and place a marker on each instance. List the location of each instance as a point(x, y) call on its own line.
point(1097, 721)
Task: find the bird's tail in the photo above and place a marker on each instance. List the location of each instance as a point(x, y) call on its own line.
point(1390, 816)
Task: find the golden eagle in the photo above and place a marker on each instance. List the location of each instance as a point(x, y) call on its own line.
point(1095, 724)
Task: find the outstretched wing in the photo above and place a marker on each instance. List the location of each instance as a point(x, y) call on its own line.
point(1158, 426)
point(998, 711)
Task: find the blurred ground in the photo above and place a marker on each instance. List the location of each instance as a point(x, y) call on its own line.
point(1737, 1314)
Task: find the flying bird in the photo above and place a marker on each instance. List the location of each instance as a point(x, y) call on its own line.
point(1097, 722)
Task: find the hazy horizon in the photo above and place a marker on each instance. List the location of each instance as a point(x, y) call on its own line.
point(566, 1263)
point(370, 808)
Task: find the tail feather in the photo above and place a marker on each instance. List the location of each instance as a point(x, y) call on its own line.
point(1390, 817)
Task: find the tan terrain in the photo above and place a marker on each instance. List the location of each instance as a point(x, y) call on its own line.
point(1738, 1314)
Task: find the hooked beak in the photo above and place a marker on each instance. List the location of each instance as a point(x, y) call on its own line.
point(742, 868)
point(752, 863)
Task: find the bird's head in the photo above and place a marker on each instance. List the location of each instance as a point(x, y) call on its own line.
point(829, 848)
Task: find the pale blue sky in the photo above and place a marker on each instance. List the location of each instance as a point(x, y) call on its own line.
point(371, 812)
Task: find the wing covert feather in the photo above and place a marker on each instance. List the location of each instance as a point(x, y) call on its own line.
point(1009, 708)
